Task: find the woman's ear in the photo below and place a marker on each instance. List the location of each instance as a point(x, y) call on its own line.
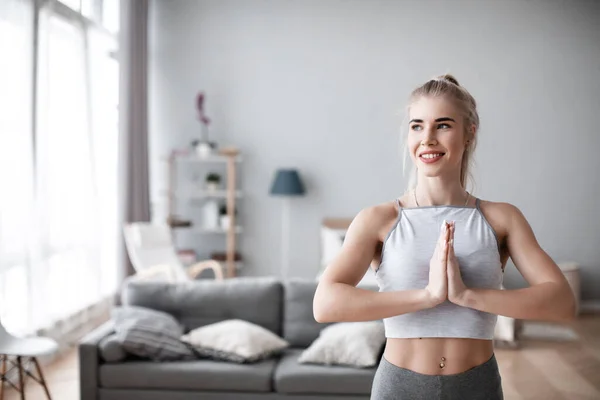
point(472, 131)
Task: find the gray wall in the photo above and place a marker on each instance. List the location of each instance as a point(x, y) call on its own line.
point(321, 85)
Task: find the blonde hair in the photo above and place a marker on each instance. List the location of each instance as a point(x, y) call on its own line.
point(448, 87)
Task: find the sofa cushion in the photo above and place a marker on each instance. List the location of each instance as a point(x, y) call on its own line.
point(355, 344)
point(299, 326)
point(291, 377)
point(111, 349)
point(151, 334)
point(202, 302)
point(235, 340)
point(189, 375)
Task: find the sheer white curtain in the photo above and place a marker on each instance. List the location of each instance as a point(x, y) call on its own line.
point(59, 209)
point(16, 161)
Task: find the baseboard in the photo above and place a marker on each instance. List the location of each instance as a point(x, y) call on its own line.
point(590, 307)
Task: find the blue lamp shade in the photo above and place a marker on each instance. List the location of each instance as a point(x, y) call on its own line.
point(287, 182)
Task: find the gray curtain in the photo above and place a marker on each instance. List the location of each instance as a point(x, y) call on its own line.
point(134, 185)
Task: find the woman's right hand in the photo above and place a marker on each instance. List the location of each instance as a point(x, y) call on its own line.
point(437, 288)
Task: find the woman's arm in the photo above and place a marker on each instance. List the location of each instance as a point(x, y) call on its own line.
point(337, 298)
point(549, 296)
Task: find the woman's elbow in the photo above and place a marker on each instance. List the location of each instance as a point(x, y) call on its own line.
point(571, 309)
point(321, 307)
point(568, 307)
point(319, 314)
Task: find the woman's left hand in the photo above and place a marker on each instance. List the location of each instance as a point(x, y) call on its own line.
point(456, 286)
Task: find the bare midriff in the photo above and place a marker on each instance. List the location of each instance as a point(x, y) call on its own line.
point(438, 356)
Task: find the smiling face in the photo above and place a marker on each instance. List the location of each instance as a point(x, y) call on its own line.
point(436, 136)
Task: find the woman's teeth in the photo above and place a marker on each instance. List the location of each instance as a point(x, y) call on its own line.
point(429, 156)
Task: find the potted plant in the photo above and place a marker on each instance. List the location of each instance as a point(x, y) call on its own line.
point(213, 180)
point(224, 217)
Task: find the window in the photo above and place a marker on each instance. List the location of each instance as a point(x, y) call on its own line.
point(58, 219)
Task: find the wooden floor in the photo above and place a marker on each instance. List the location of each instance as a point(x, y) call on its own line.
point(542, 370)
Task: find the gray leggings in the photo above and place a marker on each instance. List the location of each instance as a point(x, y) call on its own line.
point(395, 383)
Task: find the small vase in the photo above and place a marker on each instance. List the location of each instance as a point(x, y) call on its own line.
point(212, 186)
point(211, 215)
point(225, 221)
point(203, 149)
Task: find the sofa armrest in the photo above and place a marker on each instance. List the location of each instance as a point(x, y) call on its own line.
point(89, 360)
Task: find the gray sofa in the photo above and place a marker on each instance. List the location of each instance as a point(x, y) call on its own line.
point(283, 308)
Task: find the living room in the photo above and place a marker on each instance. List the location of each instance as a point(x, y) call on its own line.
point(181, 176)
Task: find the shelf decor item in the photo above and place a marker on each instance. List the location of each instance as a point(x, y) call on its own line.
point(213, 182)
point(287, 183)
point(203, 147)
point(210, 214)
point(224, 218)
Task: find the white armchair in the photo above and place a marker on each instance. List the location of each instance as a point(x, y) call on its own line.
point(19, 352)
point(152, 254)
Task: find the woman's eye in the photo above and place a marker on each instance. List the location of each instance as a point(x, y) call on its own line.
point(443, 126)
point(416, 127)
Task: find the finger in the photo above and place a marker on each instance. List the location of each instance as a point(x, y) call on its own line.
point(443, 254)
point(443, 244)
point(443, 231)
point(451, 265)
point(450, 240)
point(440, 243)
point(447, 239)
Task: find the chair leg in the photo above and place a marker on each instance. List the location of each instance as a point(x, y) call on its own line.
point(2, 373)
point(42, 380)
point(21, 380)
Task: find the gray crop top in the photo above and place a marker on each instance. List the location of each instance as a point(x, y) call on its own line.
point(405, 257)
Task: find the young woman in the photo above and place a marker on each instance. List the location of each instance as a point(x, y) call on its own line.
point(439, 255)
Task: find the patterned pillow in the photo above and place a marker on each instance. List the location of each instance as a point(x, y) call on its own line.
point(111, 349)
point(235, 340)
point(150, 334)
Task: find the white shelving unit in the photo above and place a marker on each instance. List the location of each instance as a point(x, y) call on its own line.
point(203, 194)
point(229, 157)
point(200, 230)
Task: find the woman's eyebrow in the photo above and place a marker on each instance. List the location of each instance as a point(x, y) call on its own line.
point(442, 119)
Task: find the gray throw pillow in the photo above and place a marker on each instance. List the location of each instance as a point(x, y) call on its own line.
point(150, 334)
point(111, 349)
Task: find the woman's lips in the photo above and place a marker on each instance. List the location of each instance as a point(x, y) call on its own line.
point(431, 158)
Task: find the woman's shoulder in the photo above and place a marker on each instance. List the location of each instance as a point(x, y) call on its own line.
point(501, 215)
point(379, 212)
point(503, 209)
point(378, 218)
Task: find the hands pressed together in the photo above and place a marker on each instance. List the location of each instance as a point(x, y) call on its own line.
point(445, 281)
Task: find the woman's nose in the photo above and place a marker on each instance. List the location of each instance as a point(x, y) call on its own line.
point(429, 138)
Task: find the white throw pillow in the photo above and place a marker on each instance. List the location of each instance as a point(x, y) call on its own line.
point(356, 344)
point(332, 241)
point(234, 340)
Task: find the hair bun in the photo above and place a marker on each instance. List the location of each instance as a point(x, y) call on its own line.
point(449, 78)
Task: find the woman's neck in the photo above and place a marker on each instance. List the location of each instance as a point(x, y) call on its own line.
point(436, 193)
